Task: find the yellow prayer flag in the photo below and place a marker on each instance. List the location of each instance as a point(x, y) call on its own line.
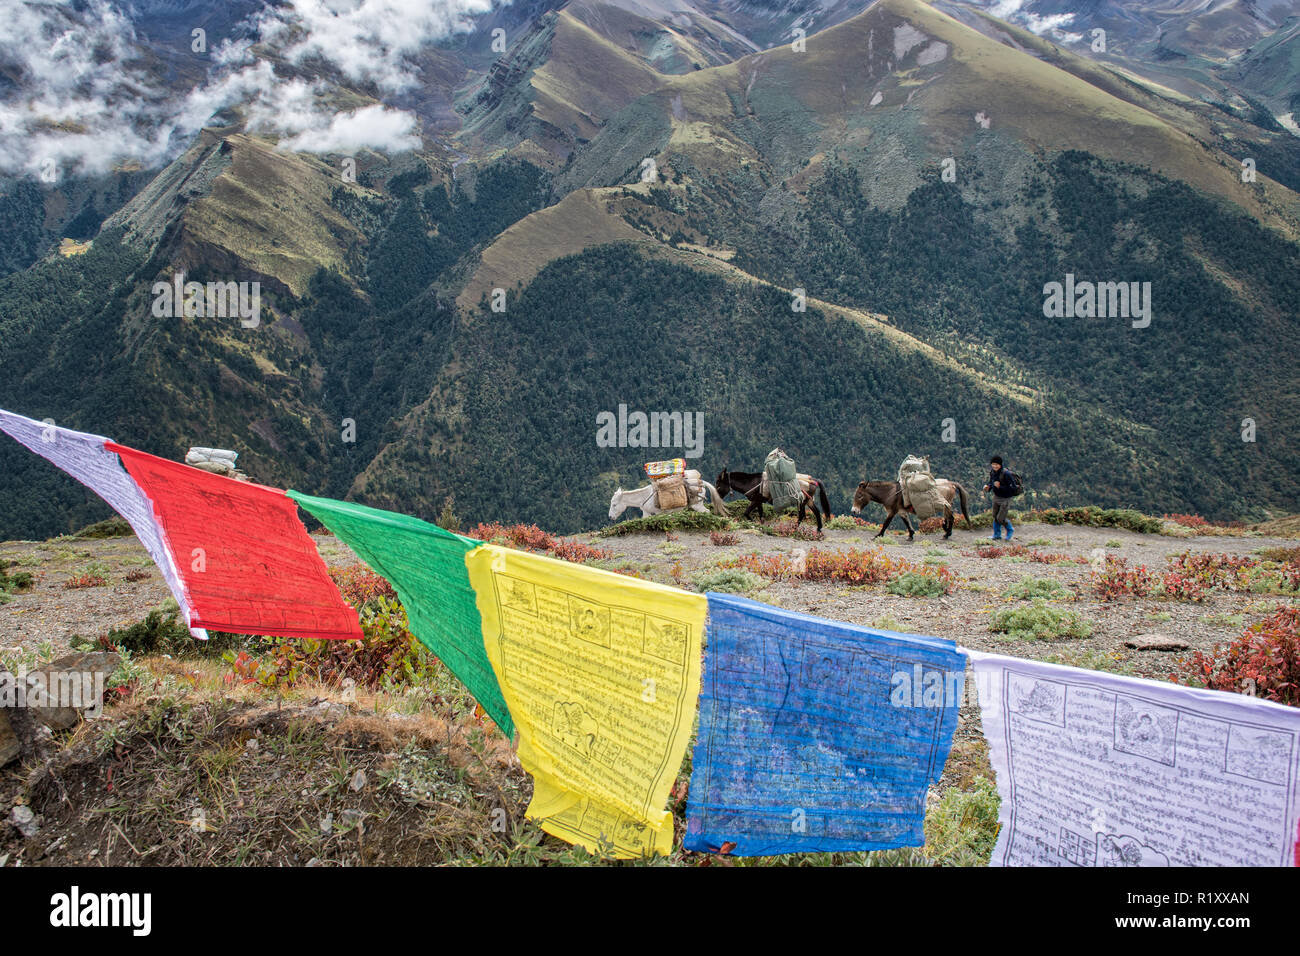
point(601, 673)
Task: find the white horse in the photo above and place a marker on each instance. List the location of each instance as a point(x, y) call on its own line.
point(644, 498)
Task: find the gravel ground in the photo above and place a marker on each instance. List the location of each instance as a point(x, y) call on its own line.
point(51, 613)
point(964, 614)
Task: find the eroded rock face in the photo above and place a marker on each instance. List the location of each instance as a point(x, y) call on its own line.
point(58, 695)
point(9, 748)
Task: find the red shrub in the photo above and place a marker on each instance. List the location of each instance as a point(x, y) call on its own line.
point(723, 538)
point(788, 528)
point(1265, 659)
point(84, 581)
point(1188, 521)
point(529, 537)
point(852, 567)
point(1117, 580)
point(359, 585)
point(1215, 570)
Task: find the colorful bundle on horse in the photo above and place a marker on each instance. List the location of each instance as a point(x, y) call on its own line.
point(669, 480)
point(781, 480)
point(664, 469)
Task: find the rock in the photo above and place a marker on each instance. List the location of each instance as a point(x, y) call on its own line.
point(24, 821)
point(71, 685)
point(358, 782)
point(1155, 642)
point(9, 749)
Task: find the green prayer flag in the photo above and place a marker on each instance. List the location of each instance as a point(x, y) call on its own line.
point(426, 566)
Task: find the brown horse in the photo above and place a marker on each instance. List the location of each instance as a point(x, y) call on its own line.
point(750, 484)
point(890, 495)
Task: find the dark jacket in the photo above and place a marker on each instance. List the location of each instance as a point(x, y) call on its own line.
point(999, 475)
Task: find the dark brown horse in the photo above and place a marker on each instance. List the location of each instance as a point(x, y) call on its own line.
point(750, 484)
point(890, 495)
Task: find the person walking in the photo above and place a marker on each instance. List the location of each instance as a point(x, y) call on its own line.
point(1004, 486)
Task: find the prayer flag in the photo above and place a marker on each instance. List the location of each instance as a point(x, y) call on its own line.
point(1097, 769)
point(816, 735)
point(601, 673)
point(84, 457)
point(247, 562)
point(426, 566)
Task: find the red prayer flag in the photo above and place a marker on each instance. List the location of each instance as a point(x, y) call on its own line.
point(249, 564)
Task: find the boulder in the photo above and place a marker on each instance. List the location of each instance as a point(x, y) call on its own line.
point(76, 681)
point(1155, 642)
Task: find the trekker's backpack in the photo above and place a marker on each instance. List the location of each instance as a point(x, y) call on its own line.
point(1015, 486)
point(781, 480)
point(920, 493)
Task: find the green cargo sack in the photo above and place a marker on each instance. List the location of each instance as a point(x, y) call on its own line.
point(780, 480)
point(920, 493)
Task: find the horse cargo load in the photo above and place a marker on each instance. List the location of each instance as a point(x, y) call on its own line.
point(781, 480)
point(670, 492)
point(920, 493)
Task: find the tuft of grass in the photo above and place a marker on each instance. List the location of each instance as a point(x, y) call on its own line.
point(672, 521)
point(731, 580)
point(1039, 622)
point(962, 829)
point(114, 527)
point(1092, 660)
point(911, 584)
point(1030, 588)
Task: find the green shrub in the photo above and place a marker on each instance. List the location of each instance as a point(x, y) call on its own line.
point(13, 582)
point(732, 580)
point(1092, 661)
point(114, 527)
point(1029, 588)
point(161, 632)
point(1038, 622)
point(1092, 517)
point(672, 521)
point(962, 828)
point(846, 523)
point(911, 584)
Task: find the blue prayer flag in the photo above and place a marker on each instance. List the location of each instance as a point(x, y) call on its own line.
point(816, 735)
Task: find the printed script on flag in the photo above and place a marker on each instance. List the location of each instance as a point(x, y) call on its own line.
point(601, 673)
point(815, 735)
point(1096, 769)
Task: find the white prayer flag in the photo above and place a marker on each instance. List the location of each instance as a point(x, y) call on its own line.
point(84, 457)
point(1096, 769)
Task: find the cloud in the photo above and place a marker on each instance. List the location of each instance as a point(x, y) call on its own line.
point(84, 100)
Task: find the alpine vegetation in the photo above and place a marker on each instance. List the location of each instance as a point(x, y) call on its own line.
point(1101, 300)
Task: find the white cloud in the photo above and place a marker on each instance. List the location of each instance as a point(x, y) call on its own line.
point(375, 127)
point(85, 102)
